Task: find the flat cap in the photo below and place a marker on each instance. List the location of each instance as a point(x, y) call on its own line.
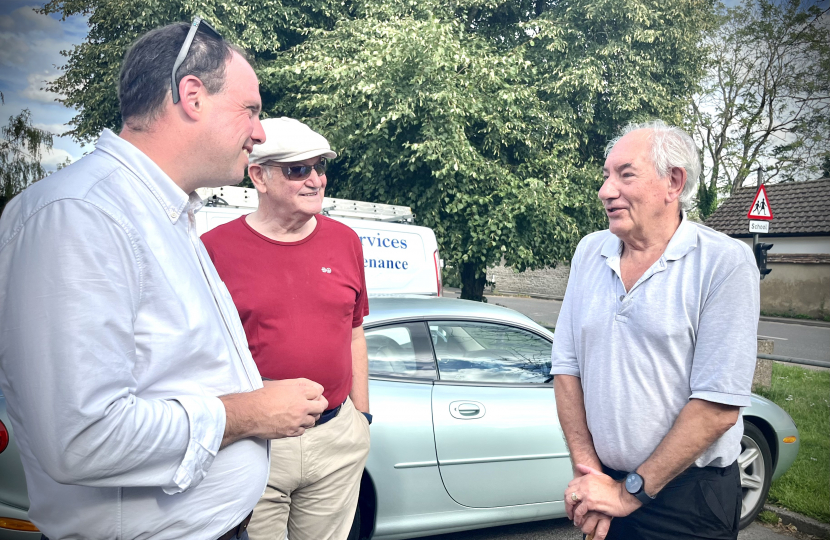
point(288, 140)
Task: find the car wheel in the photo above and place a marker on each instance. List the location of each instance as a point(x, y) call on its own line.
point(354, 532)
point(755, 464)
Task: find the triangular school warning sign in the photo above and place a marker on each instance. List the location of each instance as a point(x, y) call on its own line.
point(760, 208)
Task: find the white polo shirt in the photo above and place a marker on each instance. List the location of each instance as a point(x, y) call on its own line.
point(687, 329)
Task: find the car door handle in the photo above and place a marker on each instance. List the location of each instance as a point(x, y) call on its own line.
point(466, 410)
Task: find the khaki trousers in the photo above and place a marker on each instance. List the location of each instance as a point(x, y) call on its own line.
point(314, 481)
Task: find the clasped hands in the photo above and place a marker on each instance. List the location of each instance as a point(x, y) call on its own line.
point(594, 498)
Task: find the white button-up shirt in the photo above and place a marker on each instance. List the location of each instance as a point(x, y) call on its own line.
point(116, 339)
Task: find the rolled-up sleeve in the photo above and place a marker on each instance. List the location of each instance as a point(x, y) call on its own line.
point(70, 289)
point(207, 425)
point(564, 359)
point(726, 341)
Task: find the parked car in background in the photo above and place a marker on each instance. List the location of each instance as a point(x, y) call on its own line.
point(465, 432)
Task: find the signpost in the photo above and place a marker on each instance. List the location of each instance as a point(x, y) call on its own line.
point(760, 214)
point(759, 227)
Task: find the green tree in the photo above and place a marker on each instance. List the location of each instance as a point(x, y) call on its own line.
point(766, 99)
point(21, 149)
point(707, 198)
point(487, 117)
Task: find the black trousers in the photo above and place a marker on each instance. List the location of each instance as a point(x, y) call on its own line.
point(700, 504)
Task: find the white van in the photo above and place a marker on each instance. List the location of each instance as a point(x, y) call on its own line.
point(398, 257)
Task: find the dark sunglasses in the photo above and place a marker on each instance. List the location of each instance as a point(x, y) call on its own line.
point(197, 23)
point(298, 172)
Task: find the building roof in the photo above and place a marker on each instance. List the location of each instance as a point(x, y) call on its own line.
point(798, 209)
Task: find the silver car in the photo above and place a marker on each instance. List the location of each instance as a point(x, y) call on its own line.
point(465, 431)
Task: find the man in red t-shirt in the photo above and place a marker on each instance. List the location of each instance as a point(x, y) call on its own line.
point(297, 280)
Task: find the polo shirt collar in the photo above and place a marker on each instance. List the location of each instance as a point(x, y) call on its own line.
point(612, 247)
point(171, 197)
point(682, 242)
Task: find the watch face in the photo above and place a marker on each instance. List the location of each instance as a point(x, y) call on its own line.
point(633, 483)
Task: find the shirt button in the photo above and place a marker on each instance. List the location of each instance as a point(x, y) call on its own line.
point(622, 297)
point(173, 214)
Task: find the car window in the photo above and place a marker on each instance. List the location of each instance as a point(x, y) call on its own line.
point(400, 350)
point(484, 352)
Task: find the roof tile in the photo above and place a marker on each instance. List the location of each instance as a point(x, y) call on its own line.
point(798, 208)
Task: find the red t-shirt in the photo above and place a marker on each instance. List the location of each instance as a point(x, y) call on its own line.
point(298, 301)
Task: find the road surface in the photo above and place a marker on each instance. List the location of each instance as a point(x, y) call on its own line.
point(562, 529)
point(791, 339)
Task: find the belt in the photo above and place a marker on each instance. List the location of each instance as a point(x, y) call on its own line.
point(689, 474)
point(238, 530)
point(328, 415)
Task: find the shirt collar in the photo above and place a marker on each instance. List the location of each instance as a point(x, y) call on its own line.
point(612, 247)
point(682, 242)
point(171, 197)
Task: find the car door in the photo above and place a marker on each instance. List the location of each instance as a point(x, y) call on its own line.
point(497, 434)
point(402, 462)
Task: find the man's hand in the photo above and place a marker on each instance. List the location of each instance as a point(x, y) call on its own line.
point(596, 525)
point(279, 409)
point(597, 492)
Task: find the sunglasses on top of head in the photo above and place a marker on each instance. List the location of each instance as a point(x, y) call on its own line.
point(298, 172)
point(197, 24)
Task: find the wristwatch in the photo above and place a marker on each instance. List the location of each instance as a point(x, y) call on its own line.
point(635, 485)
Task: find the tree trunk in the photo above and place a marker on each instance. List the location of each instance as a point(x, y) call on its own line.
point(473, 280)
point(707, 198)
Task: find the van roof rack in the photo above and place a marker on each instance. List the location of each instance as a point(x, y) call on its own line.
point(365, 210)
point(229, 196)
point(343, 208)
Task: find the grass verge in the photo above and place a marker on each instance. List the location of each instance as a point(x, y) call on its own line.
point(768, 517)
point(805, 395)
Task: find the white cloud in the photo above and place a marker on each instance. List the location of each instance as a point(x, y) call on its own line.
point(54, 157)
point(37, 91)
point(24, 20)
point(13, 50)
point(54, 129)
point(30, 45)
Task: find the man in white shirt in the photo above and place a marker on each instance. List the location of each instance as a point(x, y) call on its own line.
point(135, 403)
point(654, 353)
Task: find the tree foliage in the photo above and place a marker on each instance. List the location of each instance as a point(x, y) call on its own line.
point(488, 117)
point(21, 149)
point(766, 99)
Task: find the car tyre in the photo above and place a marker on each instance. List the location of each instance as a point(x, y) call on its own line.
point(755, 465)
point(354, 532)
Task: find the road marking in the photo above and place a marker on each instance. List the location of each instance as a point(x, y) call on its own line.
point(773, 337)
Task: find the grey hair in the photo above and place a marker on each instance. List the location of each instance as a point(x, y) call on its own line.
point(670, 147)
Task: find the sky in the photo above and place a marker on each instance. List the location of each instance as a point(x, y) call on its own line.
point(30, 46)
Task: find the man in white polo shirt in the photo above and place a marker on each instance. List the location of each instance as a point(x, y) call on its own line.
point(654, 353)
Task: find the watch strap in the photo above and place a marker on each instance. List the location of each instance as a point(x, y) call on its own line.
point(643, 497)
point(640, 494)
